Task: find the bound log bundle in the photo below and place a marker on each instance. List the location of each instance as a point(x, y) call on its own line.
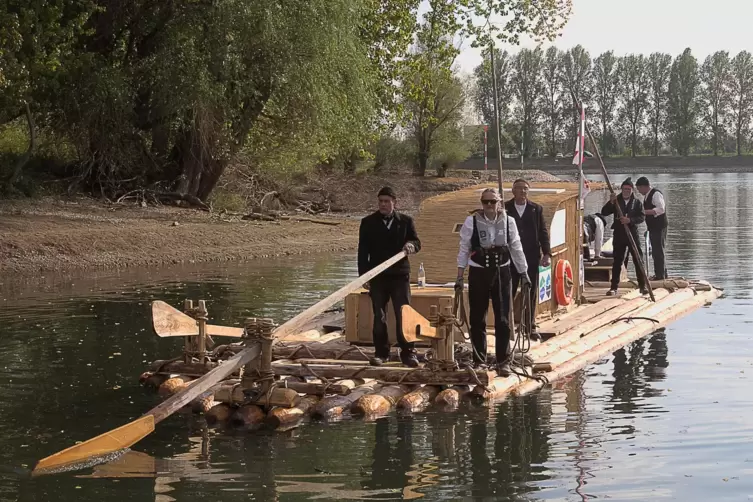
point(283, 419)
point(248, 417)
point(219, 414)
point(173, 385)
point(379, 403)
point(418, 399)
point(333, 407)
point(450, 398)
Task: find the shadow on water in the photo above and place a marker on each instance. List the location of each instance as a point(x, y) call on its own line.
point(631, 427)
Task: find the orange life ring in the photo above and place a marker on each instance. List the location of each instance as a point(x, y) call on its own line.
point(563, 282)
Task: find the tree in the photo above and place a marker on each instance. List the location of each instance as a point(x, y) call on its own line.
point(576, 76)
point(483, 96)
point(552, 98)
point(658, 69)
point(682, 106)
point(604, 76)
point(715, 77)
point(529, 87)
point(634, 88)
point(741, 96)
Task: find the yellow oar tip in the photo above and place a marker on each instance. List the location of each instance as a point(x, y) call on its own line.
point(81, 455)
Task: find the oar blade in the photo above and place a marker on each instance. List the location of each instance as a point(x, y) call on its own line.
point(169, 321)
point(100, 446)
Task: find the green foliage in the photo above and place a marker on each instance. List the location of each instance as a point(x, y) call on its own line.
point(741, 96)
point(682, 106)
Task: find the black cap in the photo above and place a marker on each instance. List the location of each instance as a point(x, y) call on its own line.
point(388, 191)
point(642, 182)
point(628, 182)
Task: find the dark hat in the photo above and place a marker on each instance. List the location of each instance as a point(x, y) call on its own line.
point(642, 182)
point(628, 182)
point(388, 191)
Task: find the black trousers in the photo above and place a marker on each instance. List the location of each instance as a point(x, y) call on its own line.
point(383, 289)
point(533, 274)
point(621, 249)
point(658, 238)
point(484, 284)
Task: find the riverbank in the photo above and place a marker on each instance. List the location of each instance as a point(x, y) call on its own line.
point(64, 233)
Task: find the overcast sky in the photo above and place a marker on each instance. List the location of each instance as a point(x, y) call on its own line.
point(645, 26)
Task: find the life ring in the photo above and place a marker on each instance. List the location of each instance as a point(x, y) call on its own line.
point(563, 282)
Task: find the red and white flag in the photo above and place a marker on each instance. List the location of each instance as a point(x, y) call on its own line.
point(580, 150)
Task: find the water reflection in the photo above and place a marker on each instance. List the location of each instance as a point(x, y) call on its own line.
point(632, 427)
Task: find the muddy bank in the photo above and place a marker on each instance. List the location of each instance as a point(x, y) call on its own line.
point(82, 233)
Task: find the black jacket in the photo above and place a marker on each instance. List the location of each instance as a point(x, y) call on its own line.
point(534, 234)
point(633, 209)
point(377, 244)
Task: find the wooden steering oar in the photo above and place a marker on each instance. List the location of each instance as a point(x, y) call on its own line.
point(641, 269)
point(104, 446)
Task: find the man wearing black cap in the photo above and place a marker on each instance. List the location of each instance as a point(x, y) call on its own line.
point(656, 221)
point(382, 235)
point(632, 211)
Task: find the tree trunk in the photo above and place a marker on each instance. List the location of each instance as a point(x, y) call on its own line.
point(201, 165)
point(738, 137)
point(633, 140)
point(24, 159)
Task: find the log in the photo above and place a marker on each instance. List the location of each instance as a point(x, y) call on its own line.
point(203, 404)
point(233, 394)
point(334, 406)
point(151, 381)
point(342, 388)
point(173, 385)
point(248, 417)
point(638, 330)
point(380, 403)
point(396, 374)
point(183, 368)
point(449, 399)
point(419, 399)
point(283, 419)
point(219, 414)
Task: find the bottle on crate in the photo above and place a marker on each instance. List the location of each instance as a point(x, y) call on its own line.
point(421, 276)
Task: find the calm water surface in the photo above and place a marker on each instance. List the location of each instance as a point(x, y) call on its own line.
point(666, 418)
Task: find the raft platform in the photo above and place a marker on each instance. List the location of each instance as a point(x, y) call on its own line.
point(323, 372)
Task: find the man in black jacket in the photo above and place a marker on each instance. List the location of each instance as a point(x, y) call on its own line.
point(529, 218)
point(382, 235)
point(655, 208)
point(632, 216)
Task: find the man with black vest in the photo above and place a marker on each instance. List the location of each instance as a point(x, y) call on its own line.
point(655, 208)
point(593, 232)
point(489, 244)
point(382, 235)
point(632, 216)
point(534, 236)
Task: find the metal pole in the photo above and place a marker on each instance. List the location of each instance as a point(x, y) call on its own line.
point(496, 119)
point(581, 204)
point(486, 155)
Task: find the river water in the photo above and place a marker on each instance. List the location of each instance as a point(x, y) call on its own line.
point(664, 418)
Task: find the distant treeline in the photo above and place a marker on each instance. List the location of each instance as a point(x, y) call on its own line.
point(636, 104)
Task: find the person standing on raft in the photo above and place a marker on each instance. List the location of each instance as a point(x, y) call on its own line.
point(632, 211)
point(655, 208)
point(534, 236)
point(381, 236)
point(593, 232)
point(489, 240)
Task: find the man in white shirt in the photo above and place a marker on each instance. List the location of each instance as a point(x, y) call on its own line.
point(655, 208)
point(489, 241)
point(593, 232)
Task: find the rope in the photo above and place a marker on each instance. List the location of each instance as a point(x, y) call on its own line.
point(300, 347)
point(634, 318)
point(352, 348)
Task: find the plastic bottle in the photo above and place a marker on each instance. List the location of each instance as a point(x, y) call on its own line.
point(421, 276)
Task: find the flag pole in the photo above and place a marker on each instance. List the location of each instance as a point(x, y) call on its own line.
point(496, 118)
point(581, 195)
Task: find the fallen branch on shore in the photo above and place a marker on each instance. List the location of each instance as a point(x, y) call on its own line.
point(269, 217)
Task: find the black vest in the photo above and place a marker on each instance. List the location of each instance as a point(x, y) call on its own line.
point(489, 258)
point(654, 222)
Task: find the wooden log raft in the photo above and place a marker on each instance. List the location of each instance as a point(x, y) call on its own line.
point(419, 399)
point(232, 393)
point(670, 284)
point(283, 419)
point(342, 387)
point(333, 407)
point(379, 403)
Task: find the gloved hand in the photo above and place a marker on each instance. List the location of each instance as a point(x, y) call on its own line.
point(525, 280)
point(409, 248)
point(459, 284)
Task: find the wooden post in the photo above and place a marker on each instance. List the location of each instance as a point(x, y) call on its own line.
point(250, 371)
point(447, 343)
point(188, 345)
point(201, 319)
point(266, 326)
